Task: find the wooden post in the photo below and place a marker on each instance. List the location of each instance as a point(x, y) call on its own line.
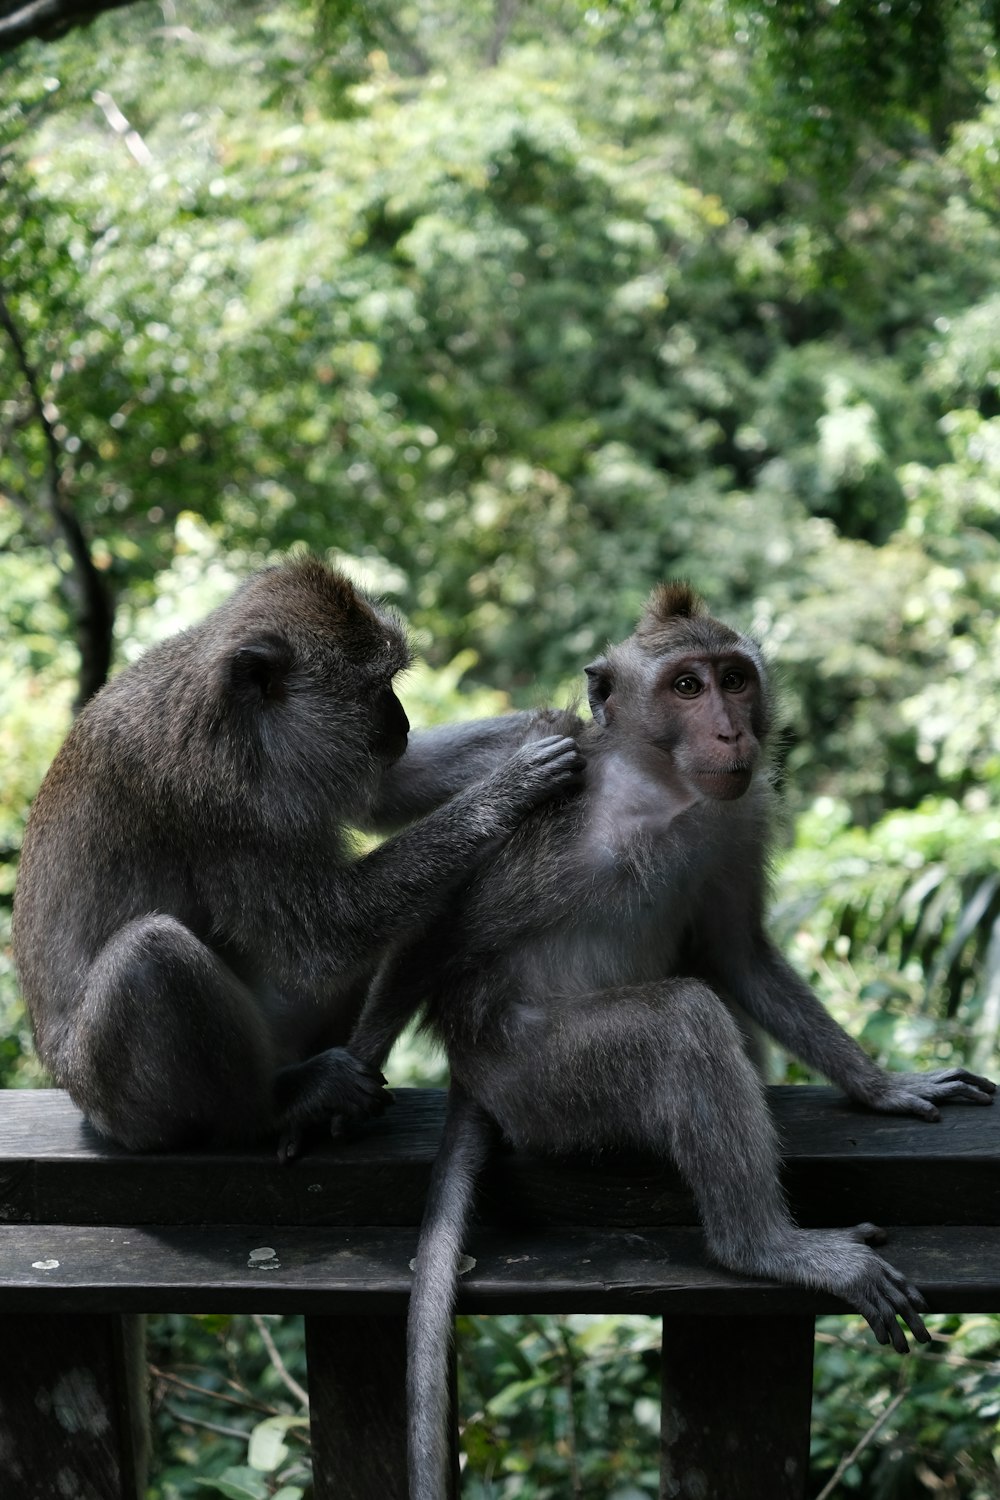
point(73, 1406)
point(737, 1398)
point(357, 1406)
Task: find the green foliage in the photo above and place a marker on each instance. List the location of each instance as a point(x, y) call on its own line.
point(227, 1414)
point(838, 71)
point(935, 1417)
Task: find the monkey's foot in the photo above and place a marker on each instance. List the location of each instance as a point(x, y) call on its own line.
point(325, 1094)
point(840, 1261)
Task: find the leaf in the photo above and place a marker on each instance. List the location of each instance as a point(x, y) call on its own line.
point(236, 1484)
point(268, 1449)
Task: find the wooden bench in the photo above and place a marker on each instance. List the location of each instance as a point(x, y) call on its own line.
point(90, 1237)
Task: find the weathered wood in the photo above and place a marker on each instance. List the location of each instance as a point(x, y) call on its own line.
point(341, 1230)
point(261, 1269)
point(357, 1407)
point(842, 1166)
point(72, 1408)
point(736, 1407)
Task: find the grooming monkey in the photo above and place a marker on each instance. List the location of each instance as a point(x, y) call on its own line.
point(592, 983)
point(192, 938)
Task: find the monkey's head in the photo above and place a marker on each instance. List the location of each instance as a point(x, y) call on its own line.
point(690, 688)
point(278, 708)
point(307, 647)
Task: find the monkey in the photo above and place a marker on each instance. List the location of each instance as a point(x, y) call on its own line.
point(192, 937)
point(596, 982)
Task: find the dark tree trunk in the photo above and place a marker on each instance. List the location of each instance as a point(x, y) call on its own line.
point(89, 597)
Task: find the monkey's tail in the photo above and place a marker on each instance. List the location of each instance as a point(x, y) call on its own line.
point(468, 1133)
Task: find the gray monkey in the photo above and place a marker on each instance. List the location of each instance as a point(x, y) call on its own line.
point(193, 939)
point(592, 987)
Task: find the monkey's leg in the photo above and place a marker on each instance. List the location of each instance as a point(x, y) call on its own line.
point(665, 1066)
point(168, 1047)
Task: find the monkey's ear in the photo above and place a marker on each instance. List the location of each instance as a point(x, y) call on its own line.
point(599, 690)
point(260, 668)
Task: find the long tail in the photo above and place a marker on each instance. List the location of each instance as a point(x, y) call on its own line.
point(468, 1133)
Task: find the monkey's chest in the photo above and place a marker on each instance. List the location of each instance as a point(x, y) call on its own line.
point(631, 930)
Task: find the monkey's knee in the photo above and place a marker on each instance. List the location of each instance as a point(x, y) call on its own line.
point(697, 1021)
point(168, 1048)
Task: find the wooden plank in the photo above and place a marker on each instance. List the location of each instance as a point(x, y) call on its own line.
point(357, 1406)
point(842, 1165)
point(191, 1269)
point(73, 1403)
point(735, 1421)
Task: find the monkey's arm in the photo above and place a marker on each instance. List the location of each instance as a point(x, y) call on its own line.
point(396, 994)
point(766, 985)
point(440, 762)
point(355, 912)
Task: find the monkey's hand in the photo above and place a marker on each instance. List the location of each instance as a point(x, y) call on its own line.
point(920, 1093)
point(324, 1093)
point(535, 772)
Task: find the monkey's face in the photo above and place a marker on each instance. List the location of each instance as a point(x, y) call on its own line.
point(709, 708)
point(702, 711)
point(390, 727)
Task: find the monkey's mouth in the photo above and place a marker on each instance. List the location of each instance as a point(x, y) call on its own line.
point(726, 782)
point(389, 748)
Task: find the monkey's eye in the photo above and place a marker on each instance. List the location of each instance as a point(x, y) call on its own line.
point(734, 681)
point(687, 685)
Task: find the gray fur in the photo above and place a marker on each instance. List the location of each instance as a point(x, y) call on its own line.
point(591, 982)
point(192, 934)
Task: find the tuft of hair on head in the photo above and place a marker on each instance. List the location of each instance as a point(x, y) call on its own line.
point(673, 600)
point(676, 618)
point(669, 603)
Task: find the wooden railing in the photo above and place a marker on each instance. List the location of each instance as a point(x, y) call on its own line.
point(90, 1237)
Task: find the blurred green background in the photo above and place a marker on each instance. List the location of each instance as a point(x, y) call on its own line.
point(517, 309)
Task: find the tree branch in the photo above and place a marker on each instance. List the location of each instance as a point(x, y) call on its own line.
point(504, 15)
point(88, 592)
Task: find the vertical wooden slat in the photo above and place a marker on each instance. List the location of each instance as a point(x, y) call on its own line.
point(357, 1407)
point(455, 1472)
point(737, 1398)
point(73, 1407)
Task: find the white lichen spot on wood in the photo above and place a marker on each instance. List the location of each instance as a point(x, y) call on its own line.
point(76, 1403)
point(265, 1258)
point(45, 1265)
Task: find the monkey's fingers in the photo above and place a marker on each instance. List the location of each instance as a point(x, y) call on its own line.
point(959, 1084)
point(961, 1093)
point(868, 1234)
point(906, 1300)
point(557, 752)
point(289, 1146)
point(920, 1093)
point(904, 1101)
point(883, 1304)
